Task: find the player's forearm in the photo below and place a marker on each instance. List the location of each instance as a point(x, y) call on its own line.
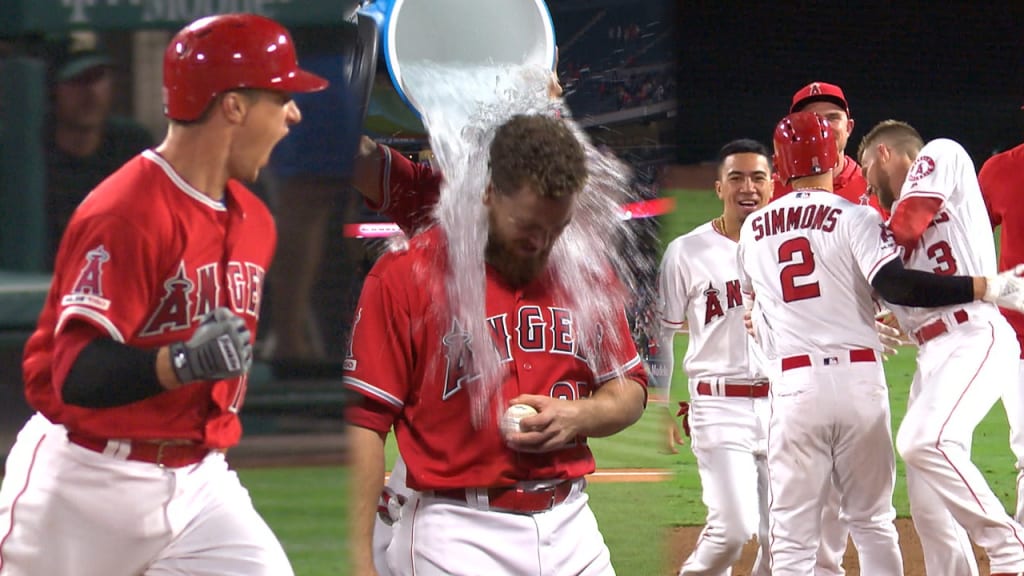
point(665, 359)
point(366, 452)
point(905, 287)
point(366, 176)
point(616, 405)
point(106, 374)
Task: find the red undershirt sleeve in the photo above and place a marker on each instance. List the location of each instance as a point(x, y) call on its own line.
point(911, 217)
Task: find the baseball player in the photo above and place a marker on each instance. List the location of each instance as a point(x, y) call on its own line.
point(728, 410)
point(829, 101)
point(1000, 179)
point(487, 501)
point(406, 192)
point(939, 218)
point(813, 260)
point(138, 366)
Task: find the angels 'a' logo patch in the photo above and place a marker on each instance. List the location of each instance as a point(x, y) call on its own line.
point(815, 89)
point(922, 167)
point(88, 289)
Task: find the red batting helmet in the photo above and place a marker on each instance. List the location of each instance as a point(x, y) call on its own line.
point(804, 146)
point(220, 53)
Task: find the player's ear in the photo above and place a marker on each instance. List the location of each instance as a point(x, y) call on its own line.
point(233, 105)
point(489, 194)
point(849, 125)
point(883, 152)
point(718, 189)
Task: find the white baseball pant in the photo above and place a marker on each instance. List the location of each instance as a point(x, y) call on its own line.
point(382, 532)
point(446, 537)
point(728, 438)
point(69, 511)
point(1013, 403)
point(830, 415)
point(960, 376)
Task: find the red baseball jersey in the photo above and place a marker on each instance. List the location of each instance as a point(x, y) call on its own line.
point(849, 184)
point(143, 259)
point(410, 190)
point(1002, 179)
point(405, 356)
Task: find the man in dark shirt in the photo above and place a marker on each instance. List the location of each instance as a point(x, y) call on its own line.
point(85, 142)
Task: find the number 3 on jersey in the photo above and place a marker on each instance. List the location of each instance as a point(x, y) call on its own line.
point(799, 260)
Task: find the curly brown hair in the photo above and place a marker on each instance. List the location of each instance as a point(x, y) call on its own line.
point(539, 151)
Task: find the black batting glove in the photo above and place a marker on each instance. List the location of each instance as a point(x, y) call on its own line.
point(220, 348)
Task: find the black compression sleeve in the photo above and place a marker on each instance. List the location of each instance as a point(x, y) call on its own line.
point(107, 374)
point(904, 287)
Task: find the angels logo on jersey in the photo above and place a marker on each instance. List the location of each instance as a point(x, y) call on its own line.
point(550, 331)
point(88, 289)
point(922, 167)
point(888, 240)
point(713, 304)
point(185, 300)
point(458, 359)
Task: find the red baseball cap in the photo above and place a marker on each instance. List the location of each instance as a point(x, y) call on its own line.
point(819, 92)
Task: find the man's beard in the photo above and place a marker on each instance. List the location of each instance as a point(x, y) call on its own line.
point(886, 194)
point(515, 270)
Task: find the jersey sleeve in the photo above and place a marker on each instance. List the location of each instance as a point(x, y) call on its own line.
point(619, 354)
point(410, 189)
point(673, 291)
point(107, 275)
point(378, 365)
point(870, 240)
point(933, 173)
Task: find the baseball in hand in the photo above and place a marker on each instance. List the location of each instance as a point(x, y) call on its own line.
point(513, 414)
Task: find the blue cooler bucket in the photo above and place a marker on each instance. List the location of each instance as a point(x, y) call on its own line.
point(461, 33)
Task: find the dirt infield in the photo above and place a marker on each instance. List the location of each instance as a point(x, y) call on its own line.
point(682, 540)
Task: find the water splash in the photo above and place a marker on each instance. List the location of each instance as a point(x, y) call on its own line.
point(462, 108)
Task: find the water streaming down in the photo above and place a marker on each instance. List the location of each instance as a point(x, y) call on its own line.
point(462, 108)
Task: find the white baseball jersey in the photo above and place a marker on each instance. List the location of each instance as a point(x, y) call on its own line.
point(700, 286)
point(959, 240)
point(809, 258)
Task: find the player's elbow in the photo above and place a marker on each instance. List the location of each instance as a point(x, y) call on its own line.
point(892, 292)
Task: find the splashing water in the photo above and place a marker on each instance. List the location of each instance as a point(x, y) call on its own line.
point(462, 108)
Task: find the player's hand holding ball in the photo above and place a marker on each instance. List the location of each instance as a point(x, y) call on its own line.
point(220, 348)
point(513, 414)
point(552, 427)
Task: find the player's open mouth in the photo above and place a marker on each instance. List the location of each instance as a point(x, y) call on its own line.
point(748, 203)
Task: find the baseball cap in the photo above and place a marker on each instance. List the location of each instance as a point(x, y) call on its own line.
point(819, 92)
point(77, 52)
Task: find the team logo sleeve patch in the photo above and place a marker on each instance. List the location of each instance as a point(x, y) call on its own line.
point(88, 288)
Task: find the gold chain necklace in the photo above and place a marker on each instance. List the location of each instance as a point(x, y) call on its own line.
point(719, 225)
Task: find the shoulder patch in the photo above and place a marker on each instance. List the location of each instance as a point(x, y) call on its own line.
point(923, 166)
point(88, 288)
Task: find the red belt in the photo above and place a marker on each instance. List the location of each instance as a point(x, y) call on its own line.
point(170, 454)
point(938, 327)
point(758, 389)
point(512, 499)
point(803, 360)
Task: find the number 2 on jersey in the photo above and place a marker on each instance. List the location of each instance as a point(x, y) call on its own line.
point(797, 252)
